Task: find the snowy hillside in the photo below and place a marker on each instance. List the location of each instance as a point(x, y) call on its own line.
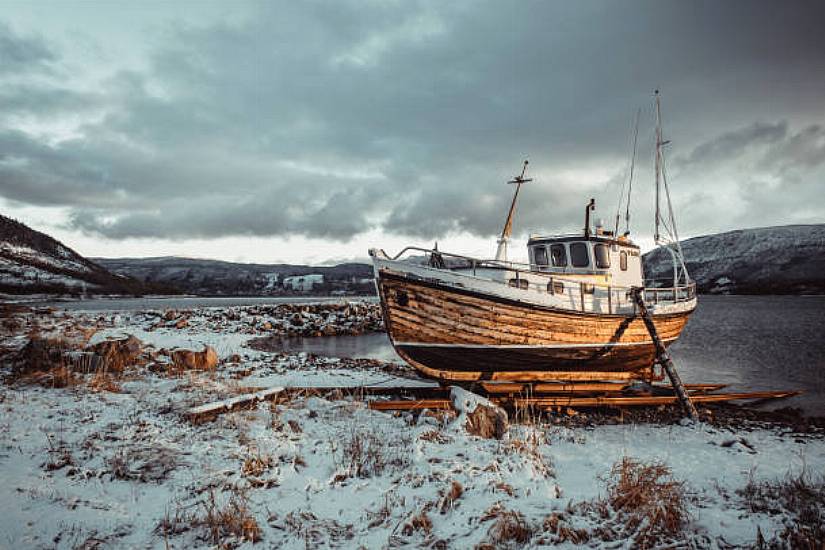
point(214, 277)
point(769, 260)
point(33, 262)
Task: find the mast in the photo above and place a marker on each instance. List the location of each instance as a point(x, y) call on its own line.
point(658, 162)
point(671, 241)
point(501, 252)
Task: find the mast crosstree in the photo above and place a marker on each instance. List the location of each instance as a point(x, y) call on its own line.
point(501, 252)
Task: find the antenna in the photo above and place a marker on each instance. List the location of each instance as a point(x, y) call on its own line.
point(501, 252)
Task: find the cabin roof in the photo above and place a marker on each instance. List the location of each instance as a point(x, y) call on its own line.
point(548, 239)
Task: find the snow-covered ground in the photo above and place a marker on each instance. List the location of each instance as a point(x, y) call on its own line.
point(125, 468)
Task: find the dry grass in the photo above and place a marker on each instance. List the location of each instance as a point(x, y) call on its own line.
point(652, 506)
point(802, 498)
point(434, 436)
point(449, 499)
point(418, 522)
point(557, 524)
point(509, 529)
point(529, 446)
point(256, 464)
point(229, 523)
point(365, 453)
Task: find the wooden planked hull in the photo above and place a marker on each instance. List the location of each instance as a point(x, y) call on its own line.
point(458, 334)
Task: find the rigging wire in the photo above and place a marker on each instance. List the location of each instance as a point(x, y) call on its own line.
point(630, 179)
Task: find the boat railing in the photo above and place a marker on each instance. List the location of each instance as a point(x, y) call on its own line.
point(586, 295)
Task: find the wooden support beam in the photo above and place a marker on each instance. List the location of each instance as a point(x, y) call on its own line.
point(411, 405)
point(664, 358)
point(597, 401)
point(211, 410)
point(642, 400)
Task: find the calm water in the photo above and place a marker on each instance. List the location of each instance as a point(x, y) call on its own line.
point(751, 343)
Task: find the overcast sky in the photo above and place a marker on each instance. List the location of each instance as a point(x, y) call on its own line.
point(311, 131)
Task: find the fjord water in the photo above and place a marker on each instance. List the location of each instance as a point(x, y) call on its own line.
point(752, 343)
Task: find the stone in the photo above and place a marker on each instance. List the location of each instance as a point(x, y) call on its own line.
point(195, 360)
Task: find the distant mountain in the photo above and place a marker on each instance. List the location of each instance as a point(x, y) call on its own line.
point(214, 277)
point(786, 259)
point(32, 262)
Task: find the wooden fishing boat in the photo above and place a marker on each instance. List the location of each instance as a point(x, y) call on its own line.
point(567, 315)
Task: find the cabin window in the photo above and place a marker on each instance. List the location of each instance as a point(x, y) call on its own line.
point(578, 255)
point(602, 254)
point(555, 287)
point(623, 260)
point(540, 255)
point(558, 255)
point(519, 283)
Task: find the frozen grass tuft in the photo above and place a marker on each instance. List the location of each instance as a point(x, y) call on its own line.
point(652, 505)
point(509, 529)
point(228, 523)
point(365, 453)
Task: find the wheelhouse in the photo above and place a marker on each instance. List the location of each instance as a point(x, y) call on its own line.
point(617, 260)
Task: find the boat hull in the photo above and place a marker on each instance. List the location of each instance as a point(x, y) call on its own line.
point(457, 334)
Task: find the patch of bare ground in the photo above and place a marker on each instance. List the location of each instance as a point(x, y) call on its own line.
point(719, 415)
point(800, 499)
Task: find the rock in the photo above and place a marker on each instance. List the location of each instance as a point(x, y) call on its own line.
point(118, 354)
point(483, 418)
point(181, 323)
point(195, 360)
point(169, 315)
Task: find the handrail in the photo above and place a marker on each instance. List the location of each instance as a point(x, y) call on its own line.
point(499, 264)
point(679, 293)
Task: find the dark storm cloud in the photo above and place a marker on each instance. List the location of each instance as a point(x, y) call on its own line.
point(328, 119)
point(20, 54)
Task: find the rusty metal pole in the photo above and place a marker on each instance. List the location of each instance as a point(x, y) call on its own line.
point(663, 357)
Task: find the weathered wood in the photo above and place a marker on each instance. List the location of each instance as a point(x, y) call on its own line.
point(597, 401)
point(411, 405)
point(210, 410)
point(664, 359)
point(455, 335)
point(644, 400)
point(573, 388)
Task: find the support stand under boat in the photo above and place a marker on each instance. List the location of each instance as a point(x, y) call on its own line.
point(663, 358)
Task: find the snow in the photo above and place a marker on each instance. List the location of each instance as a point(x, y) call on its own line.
point(25, 253)
point(134, 463)
point(13, 273)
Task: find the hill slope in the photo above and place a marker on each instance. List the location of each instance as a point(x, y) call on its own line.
point(33, 262)
point(211, 277)
point(769, 260)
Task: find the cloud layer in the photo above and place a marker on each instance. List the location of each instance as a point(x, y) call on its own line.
point(331, 119)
